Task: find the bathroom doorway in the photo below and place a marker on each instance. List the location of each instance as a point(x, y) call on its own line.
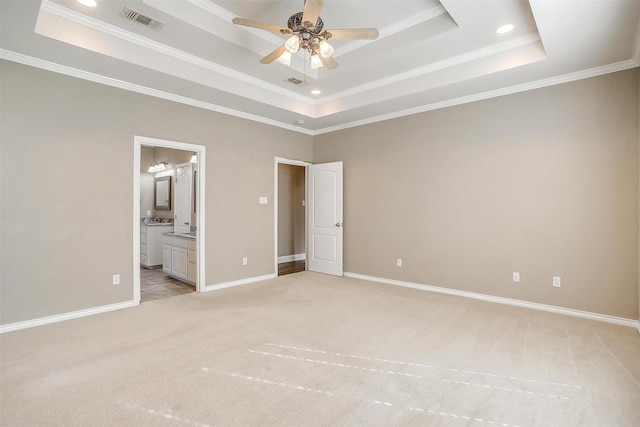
point(168, 260)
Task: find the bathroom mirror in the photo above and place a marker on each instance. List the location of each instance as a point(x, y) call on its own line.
point(163, 193)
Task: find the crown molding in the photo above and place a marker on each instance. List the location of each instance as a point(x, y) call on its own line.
point(96, 78)
point(393, 29)
point(128, 36)
point(108, 81)
point(224, 28)
point(435, 66)
point(538, 84)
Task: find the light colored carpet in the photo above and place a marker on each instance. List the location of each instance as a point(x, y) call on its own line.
point(313, 350)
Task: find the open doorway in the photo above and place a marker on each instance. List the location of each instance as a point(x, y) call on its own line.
point(290, 212)
point(323, 216)
point(169, 218)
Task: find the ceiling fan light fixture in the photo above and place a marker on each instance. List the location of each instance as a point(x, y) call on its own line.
point(292, 44)
point(326, 50)
point(315, 62)
point(305, 31)
point(285, 58)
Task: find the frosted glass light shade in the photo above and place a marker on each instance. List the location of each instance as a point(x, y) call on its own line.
point(326, 50)
point(315, 62)
point(285, 58)
point(292, 44)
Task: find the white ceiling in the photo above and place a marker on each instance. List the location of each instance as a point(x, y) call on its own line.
point(430, 53)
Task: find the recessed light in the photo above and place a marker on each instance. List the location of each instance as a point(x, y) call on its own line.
point(316, 92)
point(88, 3)
point(504, 29)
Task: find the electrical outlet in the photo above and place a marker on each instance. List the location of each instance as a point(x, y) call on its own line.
point(516, 277)
point(557, 281)
point(116, 279)
point(399, 262)
point(245, 261)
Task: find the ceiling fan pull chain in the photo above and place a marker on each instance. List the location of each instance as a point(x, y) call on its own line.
point(304, 72)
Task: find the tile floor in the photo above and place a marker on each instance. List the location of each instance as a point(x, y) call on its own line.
point(156, 284)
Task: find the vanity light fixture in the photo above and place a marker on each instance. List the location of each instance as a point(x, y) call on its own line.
point(194, 158)
point(158, 167)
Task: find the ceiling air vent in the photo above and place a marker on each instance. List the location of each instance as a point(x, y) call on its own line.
point(295, 81)
point(134, 16)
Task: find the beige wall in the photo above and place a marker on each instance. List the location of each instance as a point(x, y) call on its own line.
point(543, 182)
point(291, 194)
point(67, 189)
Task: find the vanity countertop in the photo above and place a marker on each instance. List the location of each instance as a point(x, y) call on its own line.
point(185, 235)
point(154, 224)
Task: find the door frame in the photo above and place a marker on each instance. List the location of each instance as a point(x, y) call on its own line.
point(200, 150)
point(285, 161)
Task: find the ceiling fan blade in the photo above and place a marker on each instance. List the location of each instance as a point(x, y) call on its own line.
point(311, 12)
point(355, 33)
point(273, 55)
point(256, 24)
point(329, 63)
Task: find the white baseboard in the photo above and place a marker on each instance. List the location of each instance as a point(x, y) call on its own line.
point(508, 301)
point(290, 258)
point(240, 282)
point(65, 316)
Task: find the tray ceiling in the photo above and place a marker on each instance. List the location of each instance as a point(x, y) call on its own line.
point(430, 54)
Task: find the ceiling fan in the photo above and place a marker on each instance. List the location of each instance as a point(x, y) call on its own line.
point(307, 32)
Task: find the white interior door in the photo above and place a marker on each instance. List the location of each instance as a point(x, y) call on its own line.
point(182, 195)
point(324, 206)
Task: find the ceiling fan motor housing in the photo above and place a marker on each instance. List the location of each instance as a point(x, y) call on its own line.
point(295, 24)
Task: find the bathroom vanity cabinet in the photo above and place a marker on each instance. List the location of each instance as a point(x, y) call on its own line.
point(179, 257)
point(151, 243)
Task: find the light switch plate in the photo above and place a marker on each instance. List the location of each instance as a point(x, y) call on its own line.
point(516, 277)
point(557, 281)
point(264, 200)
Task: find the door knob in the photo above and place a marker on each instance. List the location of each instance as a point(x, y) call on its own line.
point(339, 224)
